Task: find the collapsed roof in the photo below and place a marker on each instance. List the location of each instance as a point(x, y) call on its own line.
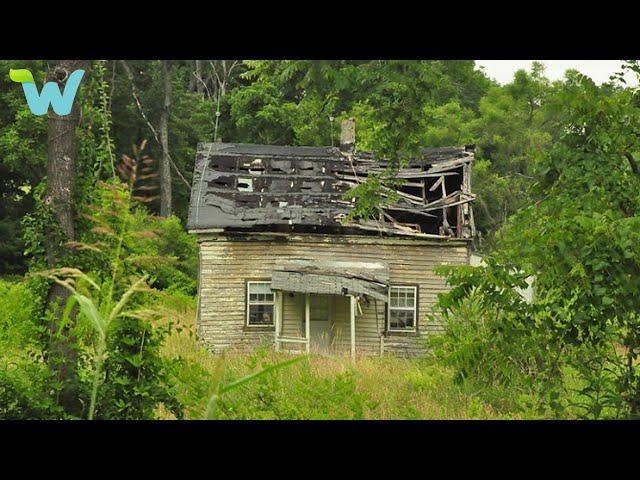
point(245, 187)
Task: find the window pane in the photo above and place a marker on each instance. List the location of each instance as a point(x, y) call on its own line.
point(411, 297)
point(402, 297)
point(260, 314)
point(401, 319)
point(260, 288)
point(393, 296)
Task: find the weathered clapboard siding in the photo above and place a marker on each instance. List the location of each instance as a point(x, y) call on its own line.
point(227, 261)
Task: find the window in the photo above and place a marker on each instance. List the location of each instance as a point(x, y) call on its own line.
point(402, 309)
point(260, 300)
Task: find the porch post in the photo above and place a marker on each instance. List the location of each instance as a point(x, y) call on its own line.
point(278, 318)
point(353, 327)
point(307, 318)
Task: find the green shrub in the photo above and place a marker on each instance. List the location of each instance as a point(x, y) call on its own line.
point(159, 247)
point(497, 342)
point(119, 362)
point(136, 376)
point(297, 392)
point(27, 391)
point(26, 387)
point(21, 304)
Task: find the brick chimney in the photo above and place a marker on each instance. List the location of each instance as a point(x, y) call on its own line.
point(348, 135)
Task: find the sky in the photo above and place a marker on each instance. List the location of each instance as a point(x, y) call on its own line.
point(598, 70)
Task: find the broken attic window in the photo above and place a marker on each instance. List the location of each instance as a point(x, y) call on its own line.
point(245, 184)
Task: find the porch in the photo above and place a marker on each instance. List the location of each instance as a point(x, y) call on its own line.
point(320, 306)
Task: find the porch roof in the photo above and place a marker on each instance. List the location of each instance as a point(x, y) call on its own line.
point(332, 278)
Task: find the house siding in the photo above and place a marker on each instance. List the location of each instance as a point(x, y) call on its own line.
point(227, 261)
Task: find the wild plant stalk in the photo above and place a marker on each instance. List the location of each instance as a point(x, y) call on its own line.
point(100, 322)
point(220, 389)
point(101, 347)
point(102, 313)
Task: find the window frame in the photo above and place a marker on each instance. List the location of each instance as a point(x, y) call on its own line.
point(249, 303)
point(414, 329)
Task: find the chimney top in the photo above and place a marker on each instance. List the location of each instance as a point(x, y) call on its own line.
point(348, 135)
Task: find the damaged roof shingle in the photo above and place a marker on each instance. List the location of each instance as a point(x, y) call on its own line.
point(245, 187)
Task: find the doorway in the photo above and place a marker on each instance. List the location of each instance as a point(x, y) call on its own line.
point(320, 323)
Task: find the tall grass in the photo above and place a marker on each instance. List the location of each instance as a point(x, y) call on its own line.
point(318, 387)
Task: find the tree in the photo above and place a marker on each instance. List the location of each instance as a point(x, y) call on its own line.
point(165, 166)
point(138, 104)
point(512, 130)
point(62, 151)
point(581, 240)
point(293, 101)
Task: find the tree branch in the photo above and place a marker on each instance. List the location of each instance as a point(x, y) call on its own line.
point(136, 98)
point(633, 163)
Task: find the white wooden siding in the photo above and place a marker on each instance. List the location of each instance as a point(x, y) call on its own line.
point(228, 261)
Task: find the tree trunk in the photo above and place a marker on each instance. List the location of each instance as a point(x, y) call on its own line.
point(193, 82)
point(165, 165)
point(62, 151)
point(200, 80)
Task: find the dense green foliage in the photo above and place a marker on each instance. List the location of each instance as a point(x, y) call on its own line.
point(25, 382)
point(117, 337)
point(581, 240)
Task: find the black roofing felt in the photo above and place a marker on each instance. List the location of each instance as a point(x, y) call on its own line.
point(267, 150)
point(246, 186)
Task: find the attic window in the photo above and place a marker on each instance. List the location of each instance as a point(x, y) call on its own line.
point(260, 301)
point(402, 308)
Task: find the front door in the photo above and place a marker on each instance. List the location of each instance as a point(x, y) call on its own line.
point(320, 324)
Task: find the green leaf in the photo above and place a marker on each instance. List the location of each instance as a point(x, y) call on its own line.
point(21, 75)
point(233, 385)
point(125, 298)
point(211, 411)
point(89, 309)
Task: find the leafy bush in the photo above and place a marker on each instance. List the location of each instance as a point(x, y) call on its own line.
point(498, 342)
point(539, 358)
point(21, 303)
point(27, 391)
point(136, 376)
point(155, 246)
point(26, 387)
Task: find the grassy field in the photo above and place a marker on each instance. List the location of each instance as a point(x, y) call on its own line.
point(317, 387)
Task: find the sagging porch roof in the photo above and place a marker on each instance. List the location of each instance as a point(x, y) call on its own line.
point(332, 278)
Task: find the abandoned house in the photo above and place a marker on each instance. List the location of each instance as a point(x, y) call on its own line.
point(280, 263)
